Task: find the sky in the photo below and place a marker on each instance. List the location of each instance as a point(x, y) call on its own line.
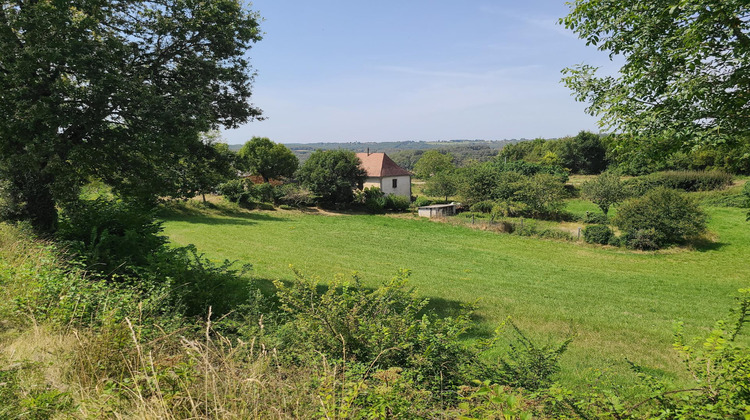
point(340, 71)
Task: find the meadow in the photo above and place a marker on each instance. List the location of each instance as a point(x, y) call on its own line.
point(621, 305)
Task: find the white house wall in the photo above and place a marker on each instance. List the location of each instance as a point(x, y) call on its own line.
point(403, 185)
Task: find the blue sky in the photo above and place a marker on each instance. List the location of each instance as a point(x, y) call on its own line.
point(387, 70)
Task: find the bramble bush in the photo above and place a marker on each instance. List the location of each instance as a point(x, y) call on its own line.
point(662, 217)
point(379, 329)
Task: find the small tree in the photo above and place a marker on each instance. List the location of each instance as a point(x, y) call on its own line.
point(542, 194)
point(604, 191)
point(332, 175)
point(442, 184)
point(433, 162)
point(670, 215)
point(263, 157)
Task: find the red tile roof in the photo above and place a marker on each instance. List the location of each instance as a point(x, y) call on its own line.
point(380, 165)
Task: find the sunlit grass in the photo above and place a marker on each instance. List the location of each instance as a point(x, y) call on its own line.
point(621, 304)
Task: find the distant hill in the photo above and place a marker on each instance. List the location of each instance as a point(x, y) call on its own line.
point(405, 153)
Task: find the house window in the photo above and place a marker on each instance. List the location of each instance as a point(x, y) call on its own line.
point(395, 183)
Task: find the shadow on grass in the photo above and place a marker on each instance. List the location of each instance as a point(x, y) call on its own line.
point(244, 219)
point(706, 245)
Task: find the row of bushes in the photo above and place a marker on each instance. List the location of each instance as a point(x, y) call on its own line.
point(689, 181)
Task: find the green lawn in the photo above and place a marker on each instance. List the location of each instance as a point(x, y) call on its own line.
point(621, 304)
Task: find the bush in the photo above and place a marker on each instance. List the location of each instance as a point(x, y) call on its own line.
point(295, 195)
point(662, 216)
point(381, 328)
point(642, 239)
point(422, 201)
point(528, 365)
point(598, 234)
point(197, 282)
point(485, 206)
point(112, 236)
point(235, 191)
point(596, 218)
point(371, 198)
point(265, 193)
point(396, 202)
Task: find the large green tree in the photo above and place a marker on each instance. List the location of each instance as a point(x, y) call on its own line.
point(116, 89)
point(263, 157)
point(332, 175)
point(686, 68)
point(433, 162)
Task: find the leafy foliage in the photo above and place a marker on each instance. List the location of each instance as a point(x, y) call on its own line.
point(604, 190)
point(115, 91)
point(585, 153)
point(689, 181)
point(529, 365)
point(380, 328)
point(598, 234)
point(432, 163)
point(372, 198)
point(685, 70)
point(113, 236)
point(442, 184)
point(270, 160)
point(332, 175)
point(664, 215)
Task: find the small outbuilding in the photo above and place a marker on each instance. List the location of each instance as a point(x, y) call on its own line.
point(438, 210)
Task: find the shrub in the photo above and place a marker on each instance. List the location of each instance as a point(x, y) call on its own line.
point(236, 192)
point(295, 195)
point(643, 239)
point(422, 201)
point(485, 206)
point(596, 218)
point(695, 180)
point(265, 193)
point(380, 328)
point(663, 216)
point(598, 234)
point(371, 198)
point(112, 236)
point(197, 282)
point(528, 365)
point(396, 202)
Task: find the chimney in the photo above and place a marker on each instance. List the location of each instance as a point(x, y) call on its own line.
point(368, 151)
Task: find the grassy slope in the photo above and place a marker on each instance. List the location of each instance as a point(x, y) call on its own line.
point(620, 303)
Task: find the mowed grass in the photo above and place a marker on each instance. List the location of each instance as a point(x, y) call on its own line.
point(620, 304)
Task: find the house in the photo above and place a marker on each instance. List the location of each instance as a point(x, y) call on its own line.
point(384, 173)
point(438, 210)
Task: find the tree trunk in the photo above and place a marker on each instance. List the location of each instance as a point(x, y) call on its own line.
point(38, 205)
